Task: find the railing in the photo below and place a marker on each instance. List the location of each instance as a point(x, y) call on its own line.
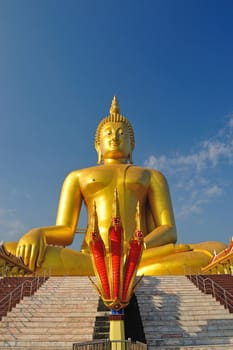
point(209, 286)
point(110, 345)
point(26, 288)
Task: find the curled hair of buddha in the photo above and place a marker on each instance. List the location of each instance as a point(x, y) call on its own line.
point(114, 117)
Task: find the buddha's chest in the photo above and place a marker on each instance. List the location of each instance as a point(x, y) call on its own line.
point(100, 180)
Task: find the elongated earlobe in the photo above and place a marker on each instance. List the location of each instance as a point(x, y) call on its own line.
point(99, 157)
point(97, 148)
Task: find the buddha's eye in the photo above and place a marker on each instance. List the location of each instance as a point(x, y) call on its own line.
point(108, 132)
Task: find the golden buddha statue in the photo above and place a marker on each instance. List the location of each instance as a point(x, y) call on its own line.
point(45, 249)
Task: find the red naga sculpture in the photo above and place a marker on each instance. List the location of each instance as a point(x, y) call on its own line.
point(116, 273)
point(98, 254)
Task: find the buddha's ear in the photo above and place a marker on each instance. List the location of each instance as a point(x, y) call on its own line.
point(97, 147)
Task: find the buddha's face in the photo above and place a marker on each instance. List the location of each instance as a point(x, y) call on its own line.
point(115, 141)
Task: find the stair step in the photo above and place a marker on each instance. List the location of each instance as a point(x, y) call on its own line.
point(50, 324)
point(70, 335)
point(41, 344)
point(178, 316)
point(61, 313)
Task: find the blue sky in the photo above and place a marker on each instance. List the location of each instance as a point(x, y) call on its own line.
point(170, 63)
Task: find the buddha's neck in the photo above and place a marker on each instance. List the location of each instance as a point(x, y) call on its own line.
point(115, 161)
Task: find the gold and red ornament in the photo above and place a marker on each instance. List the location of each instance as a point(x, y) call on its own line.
point(116, 271)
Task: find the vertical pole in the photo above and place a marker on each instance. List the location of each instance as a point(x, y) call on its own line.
point(117, 330)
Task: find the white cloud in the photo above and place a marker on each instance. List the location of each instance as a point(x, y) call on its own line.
point(216, 151)
point(214, 191)
point(191, 174)
point(209, 153)
point(187, 210)
point(158, 163)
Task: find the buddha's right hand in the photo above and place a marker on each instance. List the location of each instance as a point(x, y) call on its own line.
point(31, 247)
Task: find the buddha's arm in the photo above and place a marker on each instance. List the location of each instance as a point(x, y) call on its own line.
point(68, 211)
point(164, 229)
point(31, 246)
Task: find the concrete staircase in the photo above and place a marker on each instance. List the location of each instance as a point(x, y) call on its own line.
point(102, 326)
point(176, 315)
point(59, 314)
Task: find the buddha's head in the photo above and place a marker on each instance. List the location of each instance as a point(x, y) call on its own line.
point(114, 138)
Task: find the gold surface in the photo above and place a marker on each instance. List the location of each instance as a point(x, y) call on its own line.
point(44, 248)
point(117, 332)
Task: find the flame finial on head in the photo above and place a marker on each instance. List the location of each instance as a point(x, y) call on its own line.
point(114, 109)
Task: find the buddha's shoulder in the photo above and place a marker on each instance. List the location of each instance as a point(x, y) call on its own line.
point(100, 169)
point(83, 172)
point(152, 172)
point(156, 177)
